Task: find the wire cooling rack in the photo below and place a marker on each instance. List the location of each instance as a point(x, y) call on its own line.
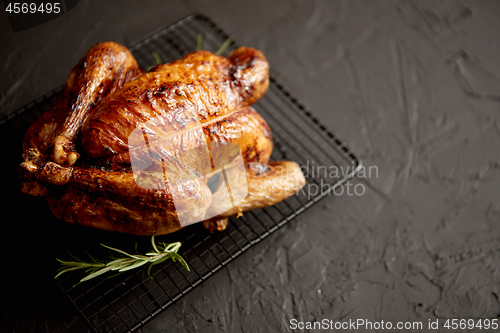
point(126, 302)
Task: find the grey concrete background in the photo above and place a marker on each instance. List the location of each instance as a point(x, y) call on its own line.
point(412, 87)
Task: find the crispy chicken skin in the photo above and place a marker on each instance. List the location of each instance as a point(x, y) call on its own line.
point(83, 154)
point(102, 71)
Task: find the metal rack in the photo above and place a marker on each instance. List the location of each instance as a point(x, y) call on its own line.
point(125, 303)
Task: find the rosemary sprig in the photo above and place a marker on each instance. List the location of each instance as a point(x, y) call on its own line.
point(159, 253)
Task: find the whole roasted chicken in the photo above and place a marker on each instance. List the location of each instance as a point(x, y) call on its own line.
point(149, 153)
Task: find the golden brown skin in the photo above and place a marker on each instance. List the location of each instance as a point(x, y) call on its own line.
point(102, 71)
point(280, 180)
point(110, 115)
point(218, 224)
point(199, 88)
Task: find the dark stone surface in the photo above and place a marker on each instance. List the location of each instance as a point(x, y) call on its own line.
point(411, 86)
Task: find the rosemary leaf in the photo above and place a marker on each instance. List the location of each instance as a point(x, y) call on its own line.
point(153, 243)
point(137, 264)
point(149, 270)
point(157, 57)
point(199, 42)
point(224, 47)
point(122, 264)
point(62, 271)
point(159, 260)
point(122, 252)
point(96, 273)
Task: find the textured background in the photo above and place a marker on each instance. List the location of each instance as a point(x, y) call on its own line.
point(413, 87)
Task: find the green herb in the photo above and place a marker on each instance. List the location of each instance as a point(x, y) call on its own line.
point(160, 253)
point(199, 43)
point(157, 59)
point(224, 47)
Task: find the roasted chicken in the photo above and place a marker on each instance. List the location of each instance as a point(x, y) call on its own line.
point(149, 153)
